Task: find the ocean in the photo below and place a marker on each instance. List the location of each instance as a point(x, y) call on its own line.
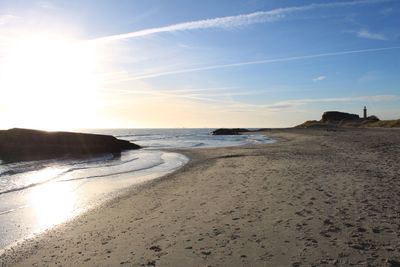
point(36, 195)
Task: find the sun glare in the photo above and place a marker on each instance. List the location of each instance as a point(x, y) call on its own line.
point(53, 203)
point(46, 81)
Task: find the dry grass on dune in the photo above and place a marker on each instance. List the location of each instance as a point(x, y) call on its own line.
point(385, 124)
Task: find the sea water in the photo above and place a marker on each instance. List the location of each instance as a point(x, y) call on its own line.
point(36, 195)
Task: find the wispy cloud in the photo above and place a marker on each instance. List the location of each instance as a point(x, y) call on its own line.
point(373, 98)
point(369, 77)
point(237, 20)
point(370, 35)
point(319, 78)
point(295, 103)
point(47, 5)
point(387, 11)
point(289, 105)
point(6, 18)
point(173, 92)
point(215, 94)
point(223, 95)
point(240, 64)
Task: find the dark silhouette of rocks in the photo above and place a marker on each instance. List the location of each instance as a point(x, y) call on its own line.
point(223, 131)
point(333, 119)
point(336, 117)
point(393, 263)
point(25, 144)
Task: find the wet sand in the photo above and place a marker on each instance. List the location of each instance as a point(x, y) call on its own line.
point(316, 197)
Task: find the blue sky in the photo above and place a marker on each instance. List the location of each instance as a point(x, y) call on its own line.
point(204, 63)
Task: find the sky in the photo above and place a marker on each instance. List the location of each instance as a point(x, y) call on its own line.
point(199, 64)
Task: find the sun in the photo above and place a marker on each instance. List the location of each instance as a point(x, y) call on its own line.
point(47, 82)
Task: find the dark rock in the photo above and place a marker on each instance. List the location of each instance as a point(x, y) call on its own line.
point(334, 119)
point(155, 248)
point(25, 144)
point(393, 263)
point(361, 229)
point(336, 116)
point(151, 263)
point(376, 230)
point(372, 118)
point(223, 131)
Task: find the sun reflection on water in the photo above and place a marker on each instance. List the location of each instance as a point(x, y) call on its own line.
point(53, 203)
point(44, 175)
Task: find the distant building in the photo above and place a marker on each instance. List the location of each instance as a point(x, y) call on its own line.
point(365, 112)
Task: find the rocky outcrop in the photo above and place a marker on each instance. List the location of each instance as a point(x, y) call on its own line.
point(336, 116)
point(342, 119)
point(25, 144)
point(223, 131)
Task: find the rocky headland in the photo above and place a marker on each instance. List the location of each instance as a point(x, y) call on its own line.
point(26, 144)
point(343, 119)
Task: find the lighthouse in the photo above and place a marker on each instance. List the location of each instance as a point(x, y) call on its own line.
point(365, 112)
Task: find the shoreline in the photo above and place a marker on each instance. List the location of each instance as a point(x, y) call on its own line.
point(98, 206)
point(245, 205)
point(22, 231)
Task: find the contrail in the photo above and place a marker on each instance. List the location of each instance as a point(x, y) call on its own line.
point(240, 64)
point(235, 21)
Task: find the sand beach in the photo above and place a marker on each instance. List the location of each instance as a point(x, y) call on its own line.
point(316, 197)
